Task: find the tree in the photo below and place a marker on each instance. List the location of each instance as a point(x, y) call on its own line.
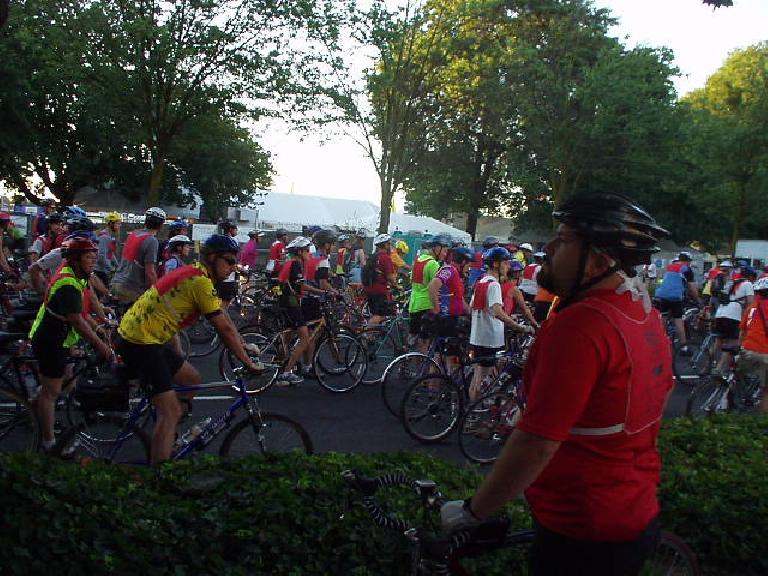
point(730, 141)
point(218, 160)
point(471, 114)
point(382, 107)
point(51, 126)
point(166, 63)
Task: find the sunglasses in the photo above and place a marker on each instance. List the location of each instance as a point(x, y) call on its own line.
point(230, 261)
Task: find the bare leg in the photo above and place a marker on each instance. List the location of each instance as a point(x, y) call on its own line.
point(45, 405)
point(168, 413)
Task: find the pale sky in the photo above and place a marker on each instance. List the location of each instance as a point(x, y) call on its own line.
point(700, 37)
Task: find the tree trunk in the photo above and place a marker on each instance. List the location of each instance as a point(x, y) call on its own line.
point(386, 202)
point(741, 212)
point(472, 223)
point(156, 181)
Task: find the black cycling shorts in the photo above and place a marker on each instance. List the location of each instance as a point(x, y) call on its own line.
point(380, 305)
point(154, 364)
point(294, 318)
point(447, 326)
point(488, 354)
point(52, 357)
point(226, 290)
point(727, 328)
point(674, 307)
point(310, 309)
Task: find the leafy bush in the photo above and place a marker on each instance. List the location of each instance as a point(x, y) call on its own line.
point(282, 515)
point(714, 489)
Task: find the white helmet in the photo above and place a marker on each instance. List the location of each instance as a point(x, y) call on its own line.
point(381, 239)
point(726, 264)
point(761, 284)
point(179, 238)
point(298, 243)
point(155, 212)
point(526, 246)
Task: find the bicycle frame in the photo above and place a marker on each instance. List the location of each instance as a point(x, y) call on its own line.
point(207, 434)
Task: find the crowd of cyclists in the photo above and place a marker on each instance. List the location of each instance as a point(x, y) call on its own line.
point(588, 286)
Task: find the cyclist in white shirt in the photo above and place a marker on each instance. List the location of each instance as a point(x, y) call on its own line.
point(488, 316)
point(735, 298)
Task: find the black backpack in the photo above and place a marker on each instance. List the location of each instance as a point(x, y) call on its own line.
point(370, 270)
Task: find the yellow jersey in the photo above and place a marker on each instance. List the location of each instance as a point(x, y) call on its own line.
point(176, 301)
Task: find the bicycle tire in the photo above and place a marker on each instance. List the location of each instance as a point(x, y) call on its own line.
point(100, 426)
point(201, 332)
point(400, 374)
point(702, 360)
point(431, 408)
point(672, 556)
point(380, 354)
point(294, 437)
point(134, 447)
point(19, 426)
point(485, 427)
point(340, 363)
point(705, 397)
point(268, 351)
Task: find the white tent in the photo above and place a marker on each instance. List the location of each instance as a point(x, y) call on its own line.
point(292, 211)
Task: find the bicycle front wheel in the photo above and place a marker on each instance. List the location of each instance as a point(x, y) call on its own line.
point(431, 408)
point(672, 556)
point(340, 363)
point(260, 349)
point(19, 427)
point(265, 433)
point(705, 399)
point(401, 373)
point(486, 425)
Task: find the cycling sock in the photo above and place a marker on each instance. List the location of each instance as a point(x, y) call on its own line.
point(48, 444)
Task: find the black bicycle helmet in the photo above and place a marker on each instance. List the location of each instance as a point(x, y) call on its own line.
point(281, 232)
point(490, 242)
point(80, 223)
point(615, 224)
point(323, 236)
point(54, 217)
point(226, 225)
point(441, 240)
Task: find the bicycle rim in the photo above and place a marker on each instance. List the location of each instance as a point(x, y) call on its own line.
point(431, 408)
point(705, 398)
point(401, 373)
point(673, 557)
point(266, 433)
point(19, 427)
point(485, 427)
point(340, 363)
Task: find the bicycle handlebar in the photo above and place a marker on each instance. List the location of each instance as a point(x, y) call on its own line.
point(486, 536)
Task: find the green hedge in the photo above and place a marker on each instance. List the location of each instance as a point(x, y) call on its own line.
point(282, 515)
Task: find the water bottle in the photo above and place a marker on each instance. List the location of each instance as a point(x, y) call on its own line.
point(30, 383)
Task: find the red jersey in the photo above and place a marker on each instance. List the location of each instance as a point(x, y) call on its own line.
point(601, 484)
point(277, 253)
point(507, 296)
point(384, 268)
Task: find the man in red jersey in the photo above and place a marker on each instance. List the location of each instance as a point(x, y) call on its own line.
point(584, 452)
point(277, 253)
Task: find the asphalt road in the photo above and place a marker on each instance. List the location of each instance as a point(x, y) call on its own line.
point(357, 421)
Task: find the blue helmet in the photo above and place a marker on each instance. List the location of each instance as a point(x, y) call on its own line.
point(461, 253)
point(516, 266)
point(220, 243)
point(496, 254)
point(180, 223)
point(87, 234)
point(74, 211)
point(748, 271)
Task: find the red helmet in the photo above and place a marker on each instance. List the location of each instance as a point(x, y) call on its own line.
point(76, 246)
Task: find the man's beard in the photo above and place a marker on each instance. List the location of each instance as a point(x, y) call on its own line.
point(545, 279)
